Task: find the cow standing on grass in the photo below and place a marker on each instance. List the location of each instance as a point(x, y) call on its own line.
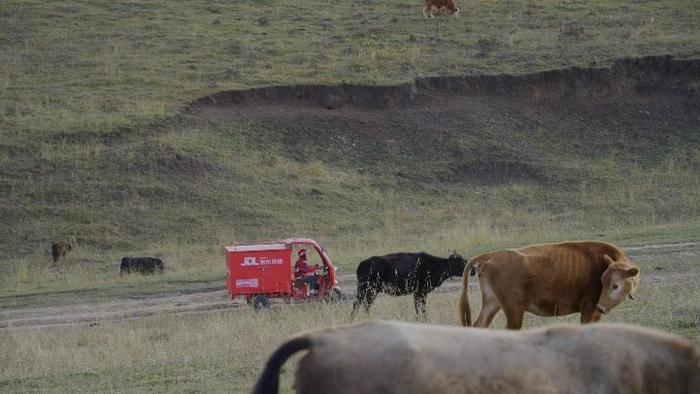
point(446, 5)
point(141, 265)
point(549, 280)
point(59, 249)
point(404, 273)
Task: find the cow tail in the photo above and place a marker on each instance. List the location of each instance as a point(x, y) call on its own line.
point(268, 382)
point(465, 316)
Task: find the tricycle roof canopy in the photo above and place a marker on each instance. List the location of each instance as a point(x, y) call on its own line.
point(270, 245)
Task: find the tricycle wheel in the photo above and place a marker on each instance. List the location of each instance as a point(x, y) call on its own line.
point(259, 302)
point(334, 296)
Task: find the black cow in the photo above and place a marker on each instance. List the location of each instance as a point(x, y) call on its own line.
point(142, 265)
point(404, 273)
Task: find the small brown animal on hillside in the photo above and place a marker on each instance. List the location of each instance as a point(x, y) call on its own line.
point(59, 249)
point(395, 357)
point(447, 5)
point(549, 280)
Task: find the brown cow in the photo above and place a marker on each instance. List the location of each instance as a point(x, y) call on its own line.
point(59, 249)
point(549, 280)
point(447, 5)
point(394, 357)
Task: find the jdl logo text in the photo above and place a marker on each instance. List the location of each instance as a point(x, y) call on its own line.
point(248, 261)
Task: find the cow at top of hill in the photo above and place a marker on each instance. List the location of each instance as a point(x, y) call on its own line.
point(404, 273)
point(142, 265)
point(549, 280)
point(59, 249)
point(446, 5)
point(397, 357)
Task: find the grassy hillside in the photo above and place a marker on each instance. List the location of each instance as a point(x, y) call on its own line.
point(105, 141)
point(93, 67)
point(92, 148)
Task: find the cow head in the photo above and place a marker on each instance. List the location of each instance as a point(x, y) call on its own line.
point(456, 264)
point(619, 282)
point(452, 9)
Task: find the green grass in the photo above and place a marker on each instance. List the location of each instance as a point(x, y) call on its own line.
point(95, 147)
point(224, 351)
point(91, 151)
point(79, 67)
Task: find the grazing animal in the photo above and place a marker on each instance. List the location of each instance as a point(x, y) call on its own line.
point(395, 357)
point(549, 280)
point(448, 5)
point(59, 249)
point(142, 265)
point(404, 273)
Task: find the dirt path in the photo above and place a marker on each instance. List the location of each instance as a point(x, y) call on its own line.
point(216, 298)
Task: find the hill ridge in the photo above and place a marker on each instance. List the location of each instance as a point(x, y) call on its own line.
point(680, 76)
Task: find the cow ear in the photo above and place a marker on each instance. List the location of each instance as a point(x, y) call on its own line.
point(632, 271)
point(608, 260)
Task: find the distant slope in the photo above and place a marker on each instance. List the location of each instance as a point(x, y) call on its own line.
point(483, 129)
point(573, 148)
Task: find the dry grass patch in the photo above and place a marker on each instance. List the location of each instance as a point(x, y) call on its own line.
point(220, 351)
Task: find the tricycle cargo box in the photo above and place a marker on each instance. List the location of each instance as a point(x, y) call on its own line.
point(262, 270)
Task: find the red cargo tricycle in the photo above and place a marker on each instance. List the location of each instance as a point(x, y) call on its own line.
point(260, 271)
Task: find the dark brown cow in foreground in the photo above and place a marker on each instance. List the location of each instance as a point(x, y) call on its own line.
point(549, 280)
point(393, 357)
point(446, 5)
point(59, 249)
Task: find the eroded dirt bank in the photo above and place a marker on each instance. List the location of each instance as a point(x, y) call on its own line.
point(482, 129)
point(654, 74)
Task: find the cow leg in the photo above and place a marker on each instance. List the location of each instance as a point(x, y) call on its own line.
point(419, 303)
point(589, 313)
point(514, 317)
point(369, 295)
point(365, 297)
point(489, 308)
point(489, 304)
point(359, 300)
point(513, 306)
point(364, 287)
point(355, 304)
point(511, 300)
point(590, 316)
